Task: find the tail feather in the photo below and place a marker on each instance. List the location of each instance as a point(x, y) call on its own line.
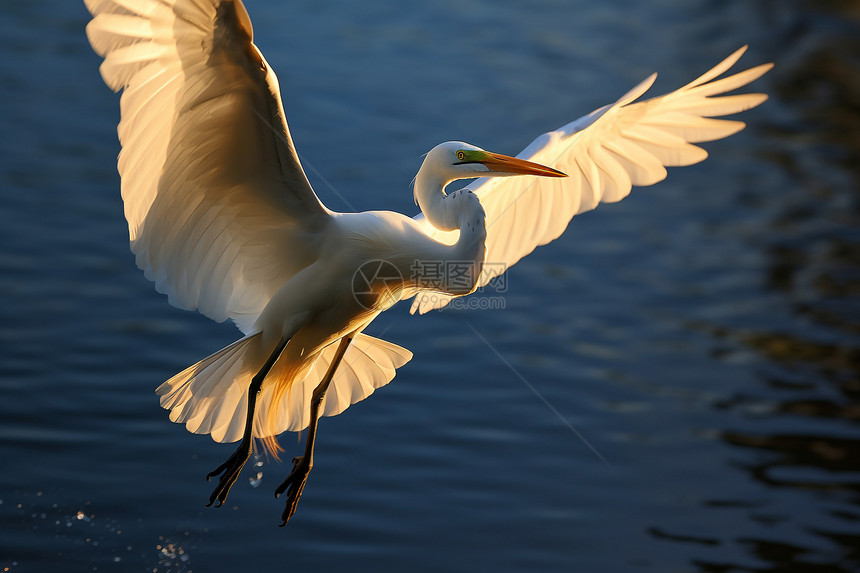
point(355, 380)
point(211, 396)
point(369, 363)
point(208, 395)
point(176, 392)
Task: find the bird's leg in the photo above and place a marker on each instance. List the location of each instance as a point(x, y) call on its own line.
point(234, 464)
point(295, 482)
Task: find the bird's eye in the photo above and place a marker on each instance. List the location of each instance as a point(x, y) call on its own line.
point(461, 155)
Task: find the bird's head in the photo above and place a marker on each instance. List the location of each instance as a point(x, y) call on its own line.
point(454, 160)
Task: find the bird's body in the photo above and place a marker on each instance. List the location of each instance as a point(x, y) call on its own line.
point(223, 219)
point(341, 291)
point(360, 264)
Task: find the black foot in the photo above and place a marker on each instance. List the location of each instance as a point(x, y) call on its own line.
point(231, 469)
point(294, 485)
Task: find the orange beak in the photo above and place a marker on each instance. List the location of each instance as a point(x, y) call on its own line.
point(503, 164)
point(499, 163)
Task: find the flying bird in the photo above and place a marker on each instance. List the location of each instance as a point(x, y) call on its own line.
point(223, 219)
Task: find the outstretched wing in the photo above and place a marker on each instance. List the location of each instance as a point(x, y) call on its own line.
point(604, 153)
point(220, 213)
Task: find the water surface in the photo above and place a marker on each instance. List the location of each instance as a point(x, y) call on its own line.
point(703, 335)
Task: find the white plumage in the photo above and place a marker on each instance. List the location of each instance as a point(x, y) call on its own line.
point(208, 396)
point(203, 178)
point(604, 153)
point(191, 123)
point(223, 219)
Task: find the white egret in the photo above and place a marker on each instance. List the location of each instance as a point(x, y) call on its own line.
point(223, 219)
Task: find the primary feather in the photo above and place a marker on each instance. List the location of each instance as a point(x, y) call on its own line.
point(220, 213)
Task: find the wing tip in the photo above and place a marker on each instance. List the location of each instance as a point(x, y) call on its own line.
point(244, 18)
point(637, 91)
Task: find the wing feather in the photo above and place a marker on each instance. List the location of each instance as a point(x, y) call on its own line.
point(219, 210)
point(605, 154)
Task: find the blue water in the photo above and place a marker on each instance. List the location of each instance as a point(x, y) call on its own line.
point(702, 336)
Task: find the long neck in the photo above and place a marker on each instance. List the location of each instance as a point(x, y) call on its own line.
point(460, 264)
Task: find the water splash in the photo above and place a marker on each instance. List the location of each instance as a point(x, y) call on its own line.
point(257, 477)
